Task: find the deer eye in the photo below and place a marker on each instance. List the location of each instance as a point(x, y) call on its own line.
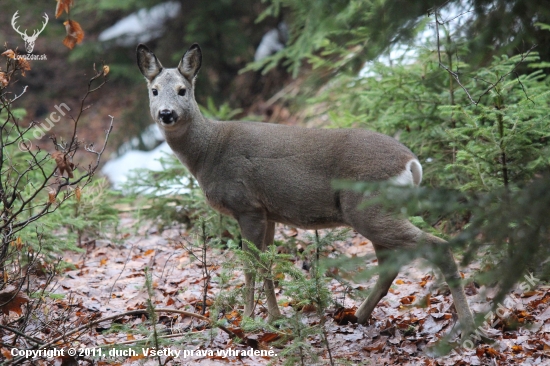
point(181, 92)
point(155, 92)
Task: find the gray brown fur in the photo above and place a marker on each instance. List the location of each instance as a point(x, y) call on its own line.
point(263, 173)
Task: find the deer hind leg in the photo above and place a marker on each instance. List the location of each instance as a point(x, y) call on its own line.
point(388, 234)
point(385, 279)
point(392, 233)
point(444, 259)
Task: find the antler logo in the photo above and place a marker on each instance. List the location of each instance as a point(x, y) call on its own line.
point(29, 40)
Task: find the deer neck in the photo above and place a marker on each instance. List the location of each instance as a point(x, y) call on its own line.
point(189, 140)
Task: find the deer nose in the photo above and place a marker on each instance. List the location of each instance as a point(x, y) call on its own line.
point(166, 116)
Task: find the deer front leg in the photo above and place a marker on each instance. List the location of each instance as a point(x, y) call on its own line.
point(253, 228)
point(249, 283)
point(272, 306)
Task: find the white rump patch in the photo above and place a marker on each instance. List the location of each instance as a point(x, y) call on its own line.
point(412, 175)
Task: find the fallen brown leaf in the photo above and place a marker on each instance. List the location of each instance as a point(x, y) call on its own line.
point(137, 357)
point(6, 353)
point(480, 352)
point(13, 300)
point(377, 346)
point(517, 349)
point(269, 337)
point(238, 332)
point(345, 315)
point(67, 361)
point(407, 300)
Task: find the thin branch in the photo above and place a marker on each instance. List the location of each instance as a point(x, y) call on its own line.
point(168, 336)
point(121, 272)
point(88, 176)
point(32, 339)
point(523, 88)
point(458, 16)
point(18, 96)
point(82, 108)
point(456, 76)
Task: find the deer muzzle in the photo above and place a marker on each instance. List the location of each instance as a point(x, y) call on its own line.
point(167, 116)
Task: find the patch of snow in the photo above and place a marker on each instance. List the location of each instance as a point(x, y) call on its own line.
point(151, 138)
point(118, 170)
point(141, 26)
point(273, 41)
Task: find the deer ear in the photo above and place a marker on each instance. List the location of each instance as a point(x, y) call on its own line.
point(147, 62)
point(190, 63)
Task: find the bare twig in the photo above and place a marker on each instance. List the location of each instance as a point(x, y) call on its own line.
point(87, 176)
point(18, 96)
point(523, 87)
point(168, 336)
point(32, 339)
point(456, 75)
point(206, 275)
point(97, 75)
point(121, 272)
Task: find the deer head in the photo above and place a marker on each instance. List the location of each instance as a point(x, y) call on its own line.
point(29, 40)
point(171, 91)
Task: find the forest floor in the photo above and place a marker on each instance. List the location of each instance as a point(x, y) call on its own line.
point(405, 328)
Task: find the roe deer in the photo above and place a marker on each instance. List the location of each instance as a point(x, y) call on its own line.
point(262, 173)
